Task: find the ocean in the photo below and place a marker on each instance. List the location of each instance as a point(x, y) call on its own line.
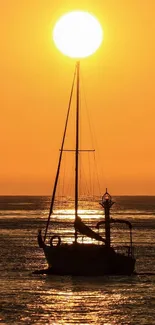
point(28, 298)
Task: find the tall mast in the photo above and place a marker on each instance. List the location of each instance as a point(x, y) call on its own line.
point(60, 158)
point(77, 146)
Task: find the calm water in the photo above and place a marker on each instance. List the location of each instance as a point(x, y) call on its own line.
point(40, 299)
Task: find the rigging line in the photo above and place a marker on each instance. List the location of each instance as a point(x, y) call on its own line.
point(97, 174)
point(85, 186)
point(60, 156)
point(89, 172)
point(87, 111)
point(70, 184)
point(93, 136)
point(92, 133)
point(63, 176)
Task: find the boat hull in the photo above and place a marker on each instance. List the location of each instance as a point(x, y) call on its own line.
point(87, 260)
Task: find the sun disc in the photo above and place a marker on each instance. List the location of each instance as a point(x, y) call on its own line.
point(77, 34)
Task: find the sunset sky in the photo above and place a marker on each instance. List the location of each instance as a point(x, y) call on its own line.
point(119, 81)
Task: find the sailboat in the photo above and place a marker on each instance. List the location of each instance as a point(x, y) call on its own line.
point(95, 258)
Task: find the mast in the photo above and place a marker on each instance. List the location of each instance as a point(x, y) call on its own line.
point(77, 146)
point(60, 158)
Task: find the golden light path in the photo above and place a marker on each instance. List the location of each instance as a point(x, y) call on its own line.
point(77, 34)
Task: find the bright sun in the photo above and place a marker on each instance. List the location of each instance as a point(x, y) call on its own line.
point(77, 34)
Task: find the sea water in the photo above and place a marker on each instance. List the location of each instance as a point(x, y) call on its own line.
point(28, 298)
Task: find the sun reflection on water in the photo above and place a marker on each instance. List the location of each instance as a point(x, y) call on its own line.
point(85, 301)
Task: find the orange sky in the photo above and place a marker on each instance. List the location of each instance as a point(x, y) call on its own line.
point(35, 85)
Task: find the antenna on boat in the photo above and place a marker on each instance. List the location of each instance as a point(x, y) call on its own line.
point(107, 204)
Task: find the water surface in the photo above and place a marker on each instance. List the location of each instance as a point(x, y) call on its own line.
point(41, 299)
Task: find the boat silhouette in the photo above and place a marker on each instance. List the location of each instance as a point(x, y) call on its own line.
point(94, 258)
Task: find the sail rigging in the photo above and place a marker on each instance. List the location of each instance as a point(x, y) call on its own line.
point(79, 226)
point(60, 156)
point(78, 258)
point(87, 231)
